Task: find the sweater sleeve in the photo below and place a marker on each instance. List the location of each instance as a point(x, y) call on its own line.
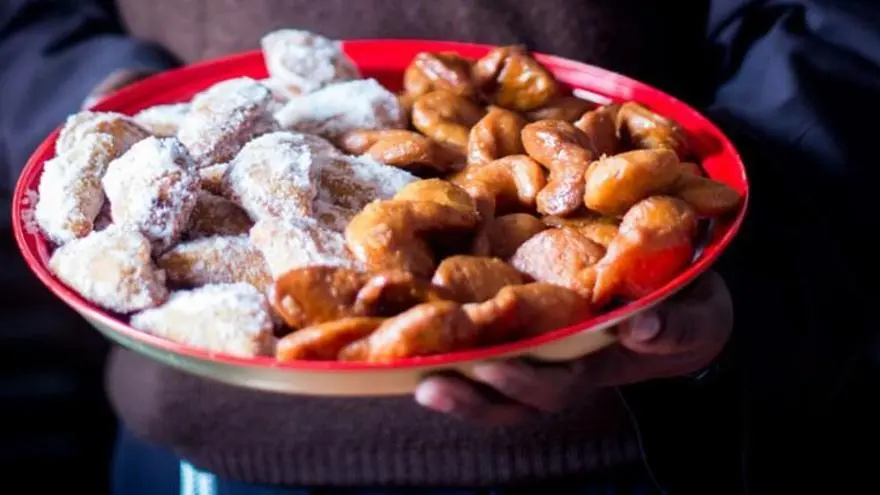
point(52, 53)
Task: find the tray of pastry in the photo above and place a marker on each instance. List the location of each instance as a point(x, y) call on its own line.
point(343, 217)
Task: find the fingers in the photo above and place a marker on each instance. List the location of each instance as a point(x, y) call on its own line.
point(542, 387)
point(500, 393)
point(700, 318)
point(458, 397)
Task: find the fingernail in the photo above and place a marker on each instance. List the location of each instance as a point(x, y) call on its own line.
point(428, 396)
point(645, 326)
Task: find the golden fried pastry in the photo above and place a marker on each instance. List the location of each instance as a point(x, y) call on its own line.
point(275, 175)
point(213, 178)
point(544, 307)
point(111, 268)
point(403, 149)
point(391, 235)
point(216, 215)
point(303, 61)
point(322, 342)
point(615, 183)
point(522, 311)
point(317, 294)
point(597, 228)
point(505, 234)
point(440, 192)
point(287, 245)
point(391, 293)
point(343, 107)
point(162, 120)
point(655, 242)
point(223, 118)
point(708, 198)
point(446, 118)
point(426, 329)
point(496, 135)
point(121, 128)
point(495, 318)
point(346, 184)
point(431, 71)
point(508, 184)
point(565, 151)
point(514, 79)
point(567, 108)
point(229, 318)
point(153, 187)
point(600, 128)
point(646, 129)
point(474, 278)
point(215, 260)
point(559, 256)
point(70, 193)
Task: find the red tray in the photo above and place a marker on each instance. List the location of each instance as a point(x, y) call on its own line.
point(384, 60)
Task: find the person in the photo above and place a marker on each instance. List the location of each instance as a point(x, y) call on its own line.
point(784, 78)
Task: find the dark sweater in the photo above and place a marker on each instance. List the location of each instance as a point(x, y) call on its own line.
point(773, 82)
point(296, 440)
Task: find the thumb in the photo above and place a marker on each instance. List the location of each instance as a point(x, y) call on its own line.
point(670, 330)
point(700, 315)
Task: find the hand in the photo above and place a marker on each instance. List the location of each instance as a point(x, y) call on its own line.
point(680, 336)
point(112, 83)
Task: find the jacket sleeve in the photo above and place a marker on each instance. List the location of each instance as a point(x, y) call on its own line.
point(798, 91)
point(52, 53)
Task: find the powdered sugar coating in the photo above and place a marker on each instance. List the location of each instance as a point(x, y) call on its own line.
point(163, 120)
point(224, 118)
point(293, 244)
point(342, 107)
point(216, 215)
point(304, 62)
point(153, 188)
point(111, 268)
point(70, 194)
point(227, 318)
point(122, 128)
point(274, 175)
point(351, 182)
point(216, 260)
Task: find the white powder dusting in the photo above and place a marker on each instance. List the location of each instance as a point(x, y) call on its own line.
point(343, 107)
point(227, 318)
point(162, 120)
point(122, 128)
point(153, 188)
point(293, 244)
point(224, 117)
point(28, 216)
point(304, 61)
point(216, 260)
point(70, 195)
point(273, 175)
point(111, 268)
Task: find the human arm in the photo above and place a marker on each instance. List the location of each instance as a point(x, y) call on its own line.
point(52, 55)
point(787, 95)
